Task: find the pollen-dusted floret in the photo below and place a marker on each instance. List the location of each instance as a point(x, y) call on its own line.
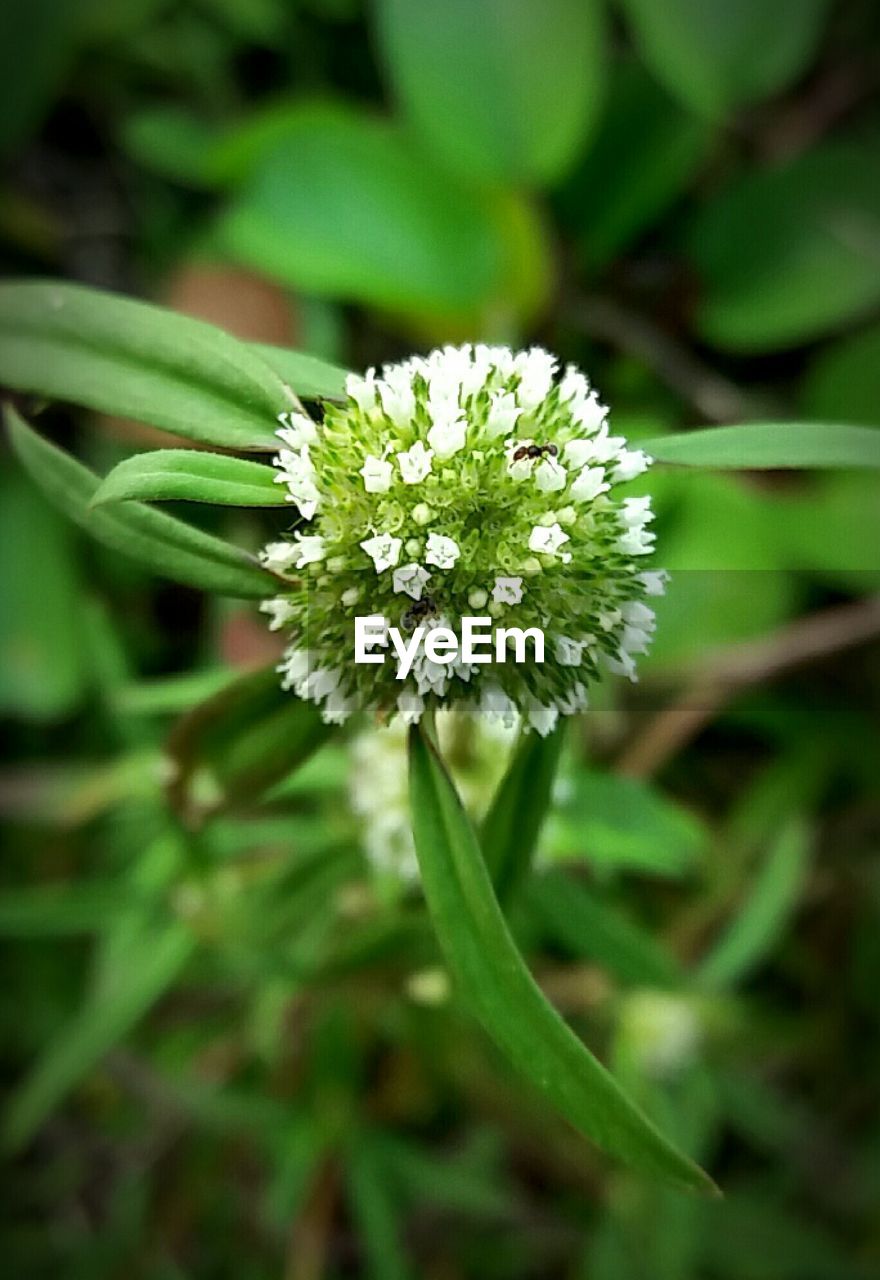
point(474, 474)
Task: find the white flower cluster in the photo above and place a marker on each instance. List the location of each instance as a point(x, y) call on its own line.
point(473, 480)
point(477, 751)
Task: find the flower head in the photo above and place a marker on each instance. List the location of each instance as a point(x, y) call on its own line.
point(472, 479)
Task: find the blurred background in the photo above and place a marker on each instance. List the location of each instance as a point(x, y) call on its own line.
point(229, 1046)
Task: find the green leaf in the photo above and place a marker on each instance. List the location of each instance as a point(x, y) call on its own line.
point(833, 529)
point(843, 383)
point(42, 663)
point(231, 748)
point(342, 205)
point(153, 961)
point(376, 1211)
point(138, 361)
point(55, 911)
point(758, 926)
point(463, 1183)
point(751, 1236)
point(587, 926)
point(171, 142)
point(811, 267)
point(157, 541)
point(259, 22)
point(191, 475)
point(644, 155)
point(715, 55)
point(503, 90)
point(725, 545)
point(771, 445)
point(312, 378)
point(167, 695)
point(492, 975)
point(769, 1117)
point(104, 24)
point(510, 830)
point(300, 1146)
point(623, 824)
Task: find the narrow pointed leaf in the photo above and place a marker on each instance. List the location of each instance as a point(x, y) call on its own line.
point(771, 445)
point(577, 918)
point(192, 476)
point(466, 1182)
point(245, 738)
point(310, 377)
point(136, 360)
point(492, 975)
point(376, 1210)
point(760, 923)
point(43, 666)
point(38, 911)
point(513, 824)
point(149, 970)
point(153, 539)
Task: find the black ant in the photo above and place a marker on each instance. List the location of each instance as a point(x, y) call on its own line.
point(534, 451)
point(418, 610)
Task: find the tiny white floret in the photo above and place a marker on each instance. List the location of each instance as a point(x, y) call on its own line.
point(415, 463)
point(410, 579)
point(654, 581)
point(547, 540)
point(507, 590)
point(362, 390)
point(411, 706)
point(398, 398)
point(447, 436)
point(579, 452)
point(550, 476)
point(280, 612)
point(496, 705)
point(630, 463)
point(569, 652)
point(441, 551)
point(536, 368)
point(296, 430)
point(377, 474)
point(309, 549)
point(383, 549)
point(590, 413)
point(541, 717)
point(278, 556)
point(503, 413)
point(588, 484)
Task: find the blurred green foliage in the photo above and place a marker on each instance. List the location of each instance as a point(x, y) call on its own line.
point(227, 1047)
point(806, 272)
point(504, 91)
point(716, 56)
